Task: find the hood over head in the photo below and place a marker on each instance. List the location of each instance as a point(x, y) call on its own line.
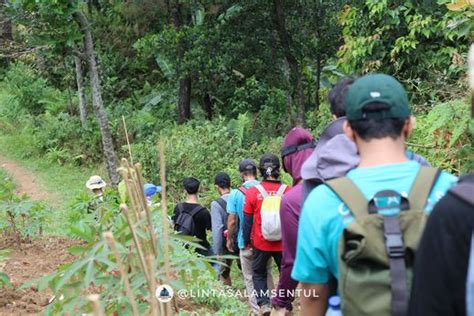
point(294, 161)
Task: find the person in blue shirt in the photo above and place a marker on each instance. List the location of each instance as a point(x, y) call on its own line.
point(379, 122)
point(235, 222)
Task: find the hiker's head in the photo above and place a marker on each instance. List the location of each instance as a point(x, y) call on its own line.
point(269, 167)
point(377, 108)
point(96, 185)
point(337, 97)
point(222, 182)
point(191, 185)
point(247, 169)
point(297, 147)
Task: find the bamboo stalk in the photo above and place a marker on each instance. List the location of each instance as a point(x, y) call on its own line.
point(109, 238)
point(147, 211)
point(128, 141)
point(143, 264)
point(94, 298)
point(164, 209)
point(153, 300)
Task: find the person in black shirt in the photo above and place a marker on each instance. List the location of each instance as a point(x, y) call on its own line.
point(201, 218)
point(442, 259)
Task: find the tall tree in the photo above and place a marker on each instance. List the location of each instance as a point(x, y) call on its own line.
point(98, 104)
point(184, 89)
point(81, 94)
point(294, 74)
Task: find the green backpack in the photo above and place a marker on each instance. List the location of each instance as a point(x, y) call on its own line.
point(376, 252)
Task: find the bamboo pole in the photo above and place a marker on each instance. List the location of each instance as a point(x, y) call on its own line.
point(153, 300)
point(128, 140)
point(109, 238)
point(164, 209)
point(141, 257)
point(147, 211)
point(95, 299)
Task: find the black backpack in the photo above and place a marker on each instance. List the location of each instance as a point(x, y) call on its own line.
point(184, 223)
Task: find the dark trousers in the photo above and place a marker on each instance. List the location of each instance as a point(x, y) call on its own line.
point(259, 267)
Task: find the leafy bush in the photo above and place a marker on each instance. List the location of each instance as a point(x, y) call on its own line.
point(20, 216)
point(28, 87)
point(444, 138)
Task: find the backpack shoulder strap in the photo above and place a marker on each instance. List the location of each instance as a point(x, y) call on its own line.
point(262, 191)
point(243, 190)
point(350, 194)
point(422, 186)
point(195, 210)
point(464, 191)
point(222, 203)
point(281, 190)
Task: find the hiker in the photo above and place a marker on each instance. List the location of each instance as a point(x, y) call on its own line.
point(191, 218)
point(262, 225)
point(235, 221)
point(297, 147)
point(335, 154)
point(444, 267)
point(219, 225)
point(356, 212)
point(97, 186)
point(150, 191)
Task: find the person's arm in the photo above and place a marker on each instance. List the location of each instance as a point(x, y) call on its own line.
point(217, 224)
point(231, 224)
point(175, 214)
point(314, 299)
point(231, 220)
point(248, 218)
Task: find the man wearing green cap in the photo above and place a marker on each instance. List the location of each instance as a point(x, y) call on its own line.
point(379, 122)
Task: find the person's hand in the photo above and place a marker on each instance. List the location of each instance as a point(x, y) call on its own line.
point(230, 244)
point(279, 311)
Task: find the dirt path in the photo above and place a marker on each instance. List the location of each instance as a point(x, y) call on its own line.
point(25, 181)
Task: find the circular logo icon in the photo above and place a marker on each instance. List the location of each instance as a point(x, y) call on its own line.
point(164, 293)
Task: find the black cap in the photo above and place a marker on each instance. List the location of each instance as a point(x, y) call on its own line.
point(247, 165)
point(222, 180)
point(269, 161)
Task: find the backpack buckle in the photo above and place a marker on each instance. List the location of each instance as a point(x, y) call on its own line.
point(394, 245)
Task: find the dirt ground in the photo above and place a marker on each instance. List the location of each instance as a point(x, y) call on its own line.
point(25, 182)
point(37, 258)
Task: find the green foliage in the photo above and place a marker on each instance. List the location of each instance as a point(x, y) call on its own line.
point(4, 279)
point(405, 40)
point(444, 136)
point(20, 217)
point(28, 87)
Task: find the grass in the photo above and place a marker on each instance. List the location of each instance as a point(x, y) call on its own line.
point(61, 182)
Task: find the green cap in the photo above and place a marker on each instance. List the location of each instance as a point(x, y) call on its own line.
point(377, 88)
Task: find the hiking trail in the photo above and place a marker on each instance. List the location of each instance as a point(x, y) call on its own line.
point(25, 181)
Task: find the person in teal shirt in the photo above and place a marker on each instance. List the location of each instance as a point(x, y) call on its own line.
point(235, 208)
point(379, 122)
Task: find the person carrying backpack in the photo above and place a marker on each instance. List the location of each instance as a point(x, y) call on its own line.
point(235, 221)
point(297, 147)
point(364, 228)
point(219, 224)
point(191, 218)
point(335, 154)
point(444, 267)
point(262, 226)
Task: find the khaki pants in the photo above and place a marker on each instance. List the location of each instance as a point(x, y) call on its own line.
point(246, 259)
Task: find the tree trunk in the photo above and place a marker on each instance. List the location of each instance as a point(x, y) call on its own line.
point(6, 30)
point(80, 91)
point(207, 105)
point(295, 73)
point(184, 91)
point(318, 81)
point(107, 142)
point(184, 100)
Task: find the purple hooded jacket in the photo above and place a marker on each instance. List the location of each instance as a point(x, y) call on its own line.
point(290, 213)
